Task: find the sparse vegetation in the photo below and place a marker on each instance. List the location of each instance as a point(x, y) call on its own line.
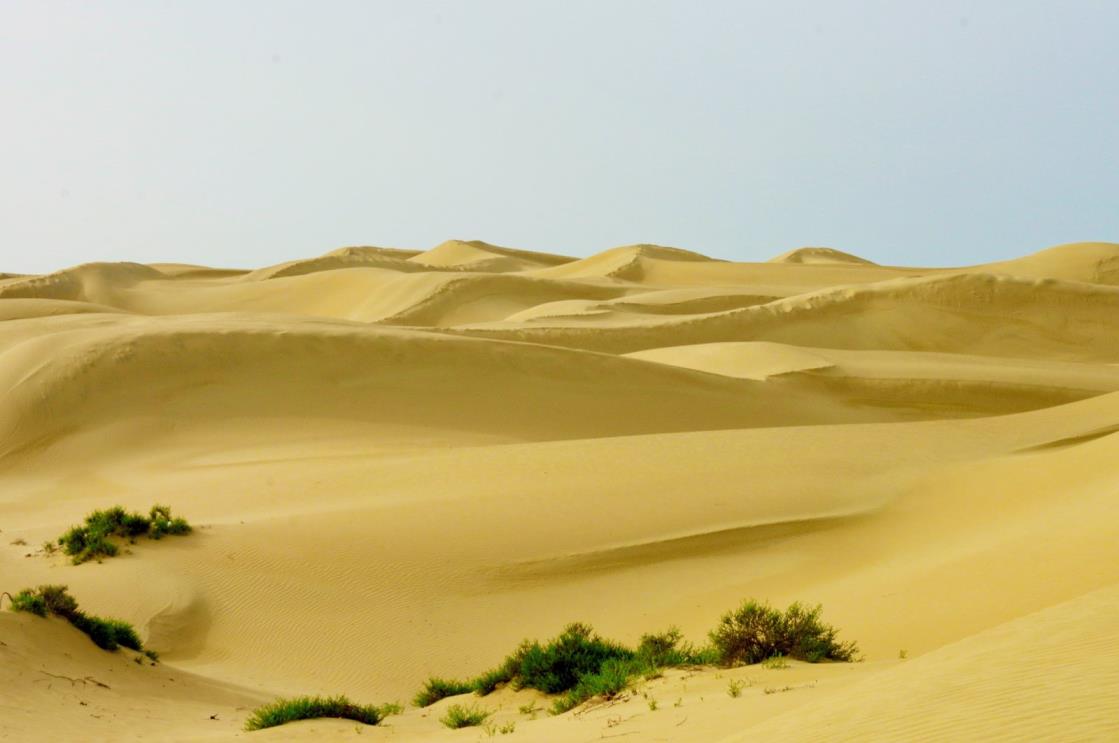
point(775, 662)
point(391, 708)
point(580, 665)
point(464, 716)
point(93, 539)
point(283, 711)
point(107, 634)
point(756, 631)
point(734, 688)
point(439, 688)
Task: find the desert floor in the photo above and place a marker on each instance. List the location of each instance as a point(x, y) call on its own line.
point(401, 463)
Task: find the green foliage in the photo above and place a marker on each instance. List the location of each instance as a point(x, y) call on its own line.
point(560, 664)
point(390, 708)
point(438, 688)
point(669, 649)
point(30, 602)
point(612, 678)
point(108, 634)
point(580, 665)
point(284, 711)
point(161, 522)
point(756, 631)
point(152, 655)
point(463, 716)
point(775, 662)
point(490, 680)
point(93, 539)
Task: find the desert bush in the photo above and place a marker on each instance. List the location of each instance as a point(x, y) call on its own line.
point(612, 678)
point(669, 649)
point(756, 631)
point(558, 665)
point(283, 711)
point(581, 665)
point(108, 634)
point(463, 716)
point(30, 602)
point(161, 522)
point(92, 540)
point(438, 688)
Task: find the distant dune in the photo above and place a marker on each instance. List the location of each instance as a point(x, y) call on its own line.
point(401, 463)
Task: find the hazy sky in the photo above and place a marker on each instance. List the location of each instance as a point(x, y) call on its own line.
point(247, 133)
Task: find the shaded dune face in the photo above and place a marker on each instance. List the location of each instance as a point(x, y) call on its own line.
point(403, 462)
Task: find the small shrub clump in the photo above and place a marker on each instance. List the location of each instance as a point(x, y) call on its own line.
point(93, 539)
point(463, 716)
point(438, 688)
point(283, 711)
point(756, 632)
point(107, 634)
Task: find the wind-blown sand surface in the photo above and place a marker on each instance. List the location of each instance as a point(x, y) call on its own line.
point(402, 463)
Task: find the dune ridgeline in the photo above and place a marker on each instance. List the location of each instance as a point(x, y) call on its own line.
point(397, 465)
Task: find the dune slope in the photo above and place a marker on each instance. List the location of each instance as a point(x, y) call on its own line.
point(402, 463)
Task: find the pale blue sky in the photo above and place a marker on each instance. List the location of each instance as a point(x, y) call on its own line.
point(247, 133)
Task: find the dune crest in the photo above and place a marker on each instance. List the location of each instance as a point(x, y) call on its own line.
point(818, 255)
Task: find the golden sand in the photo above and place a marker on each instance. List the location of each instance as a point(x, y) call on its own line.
point(402, 463)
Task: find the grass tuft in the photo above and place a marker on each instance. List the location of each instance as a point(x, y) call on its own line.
point(92, 540)
point(463, 716)
point(283, 711)
point(439, 688)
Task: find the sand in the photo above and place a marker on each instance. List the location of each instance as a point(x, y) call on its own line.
point(402, 463)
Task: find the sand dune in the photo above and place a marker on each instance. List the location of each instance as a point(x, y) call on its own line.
point(402, 463)
point(955, 313)
point(818, 255)
point(475, 255)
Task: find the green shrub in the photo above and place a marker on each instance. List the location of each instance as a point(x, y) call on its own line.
point(284, 711)
point(161, 523)
point(558, 665)
point(462, 716)
point(58, 600)
point(669, 649)
point(756, 631)
point(108, 634)
point(581, 665)
point(92, 540)
point(438, 688)
point(612, 678)
point(30, 602)
point(389, 709)
point(490, 680)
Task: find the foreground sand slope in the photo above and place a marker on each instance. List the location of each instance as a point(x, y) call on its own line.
point(401, 463)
